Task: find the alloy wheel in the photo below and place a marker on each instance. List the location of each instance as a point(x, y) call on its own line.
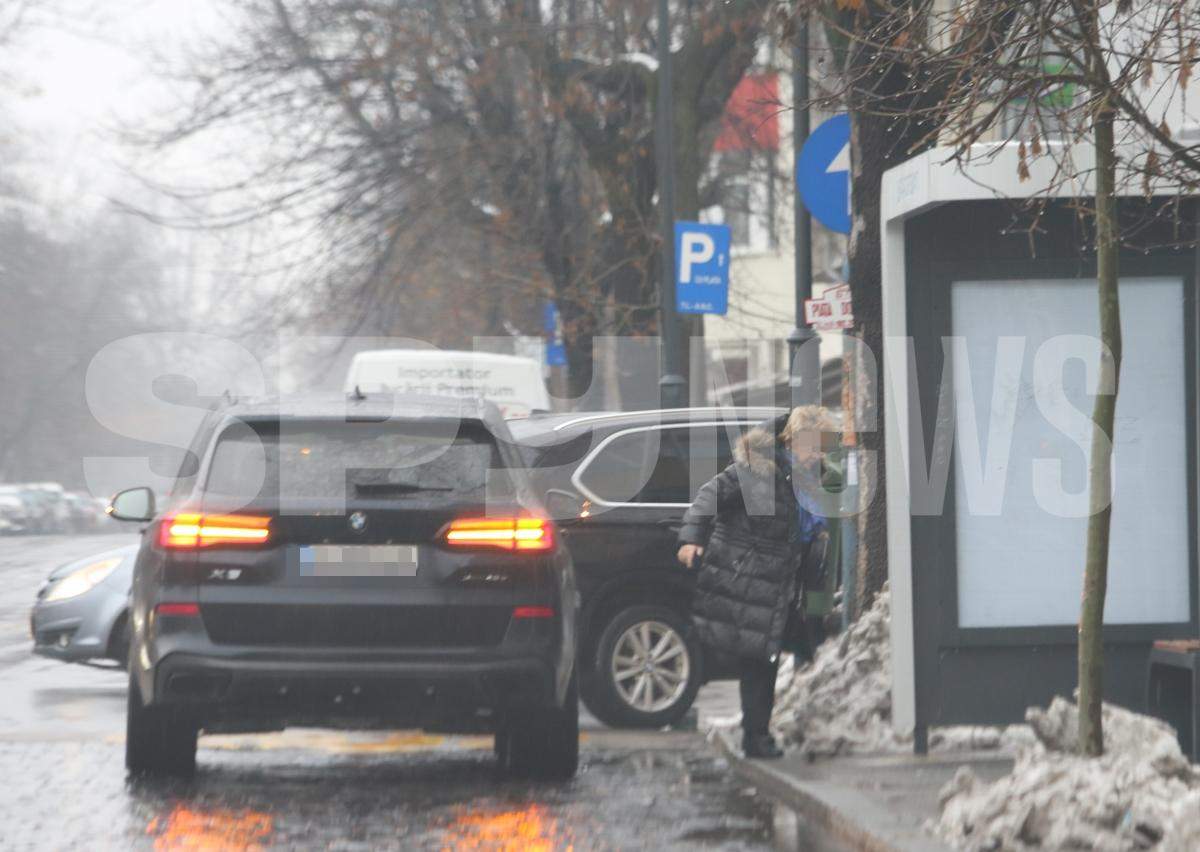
point(650, 666)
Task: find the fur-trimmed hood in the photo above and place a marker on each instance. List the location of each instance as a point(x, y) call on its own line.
point(759, 447)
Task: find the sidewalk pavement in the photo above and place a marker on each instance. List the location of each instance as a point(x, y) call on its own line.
point(874, 803)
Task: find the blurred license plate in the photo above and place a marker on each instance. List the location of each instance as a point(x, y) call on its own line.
point(358, 560)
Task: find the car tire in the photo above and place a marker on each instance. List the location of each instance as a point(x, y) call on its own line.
point(500, 747)
point(542, 744)
point(118, 643)
point(158, 740)
point(673, 682)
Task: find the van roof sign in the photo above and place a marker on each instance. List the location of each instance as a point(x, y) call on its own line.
point(513, 383)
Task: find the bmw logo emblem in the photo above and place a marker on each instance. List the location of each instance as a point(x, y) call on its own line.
point(357, 521)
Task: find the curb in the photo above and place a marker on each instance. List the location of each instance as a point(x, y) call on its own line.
point(825, 810)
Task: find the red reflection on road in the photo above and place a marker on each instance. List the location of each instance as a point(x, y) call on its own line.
point(524, 829)
point(187, 828)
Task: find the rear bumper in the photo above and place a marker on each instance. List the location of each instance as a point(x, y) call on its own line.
point(446, 695)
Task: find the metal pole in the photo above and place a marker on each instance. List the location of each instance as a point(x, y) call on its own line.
point(672, 385)
point(804, 374)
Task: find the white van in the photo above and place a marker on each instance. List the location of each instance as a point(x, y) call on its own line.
point(514, 383)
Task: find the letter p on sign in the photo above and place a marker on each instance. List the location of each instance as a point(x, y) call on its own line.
point(701, 268)
point(697, 249)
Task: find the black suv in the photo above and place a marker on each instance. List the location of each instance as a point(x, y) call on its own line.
point(352, 563)
point(617, 485)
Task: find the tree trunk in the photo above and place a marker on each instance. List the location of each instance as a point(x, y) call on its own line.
point(869, 148)
point(580, 327)
point(876, 144)
point(893, 116)
point(879, 140)
point(1095, 578)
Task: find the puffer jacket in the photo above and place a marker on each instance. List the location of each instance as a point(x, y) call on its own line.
point(747, 519)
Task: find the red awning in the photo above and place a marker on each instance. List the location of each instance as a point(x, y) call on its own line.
point(751, 117)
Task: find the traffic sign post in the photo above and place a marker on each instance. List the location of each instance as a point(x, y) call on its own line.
point(804, 360)
point(673, 386)
point(701, 268)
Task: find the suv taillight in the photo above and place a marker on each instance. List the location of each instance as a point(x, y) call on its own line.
point(186, 530)
point(523, 534)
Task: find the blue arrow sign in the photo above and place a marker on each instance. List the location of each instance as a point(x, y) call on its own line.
point(823, 173)
point(701, 268)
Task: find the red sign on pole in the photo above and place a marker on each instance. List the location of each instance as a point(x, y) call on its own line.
point(832, 311)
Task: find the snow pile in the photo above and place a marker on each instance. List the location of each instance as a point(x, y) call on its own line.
point(1183, 829)
point(842, 701)
point(1007, 739)
point(1141, 794)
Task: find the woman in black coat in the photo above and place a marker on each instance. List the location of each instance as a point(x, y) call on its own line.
point(754, 532)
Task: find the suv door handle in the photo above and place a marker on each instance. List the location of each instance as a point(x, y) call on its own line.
point(671, 524)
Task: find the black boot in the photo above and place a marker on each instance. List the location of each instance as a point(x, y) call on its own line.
point(761, 746)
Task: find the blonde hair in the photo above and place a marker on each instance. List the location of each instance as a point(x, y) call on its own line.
point(811, 419)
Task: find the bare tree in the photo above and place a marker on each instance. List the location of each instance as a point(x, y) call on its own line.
point(403, 132)
point(65, 292)
point(1086, 86)
point(895, 100)
point(15, 16)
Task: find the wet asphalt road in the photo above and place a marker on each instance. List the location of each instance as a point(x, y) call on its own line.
point(61, 752)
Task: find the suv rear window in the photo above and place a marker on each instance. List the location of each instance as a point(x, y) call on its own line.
point(364, 460)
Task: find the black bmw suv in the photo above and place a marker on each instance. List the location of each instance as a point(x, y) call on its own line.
point(356, 563)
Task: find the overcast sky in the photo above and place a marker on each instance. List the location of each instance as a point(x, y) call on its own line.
point(67, 87)
point(75, 79)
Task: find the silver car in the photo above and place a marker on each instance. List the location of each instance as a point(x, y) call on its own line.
point(13, 515)
point(82, 609)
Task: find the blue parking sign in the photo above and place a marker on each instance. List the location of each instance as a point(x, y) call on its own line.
point(701, 268)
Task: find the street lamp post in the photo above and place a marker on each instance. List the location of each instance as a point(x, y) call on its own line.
point(672, 384)
point(804, 361)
